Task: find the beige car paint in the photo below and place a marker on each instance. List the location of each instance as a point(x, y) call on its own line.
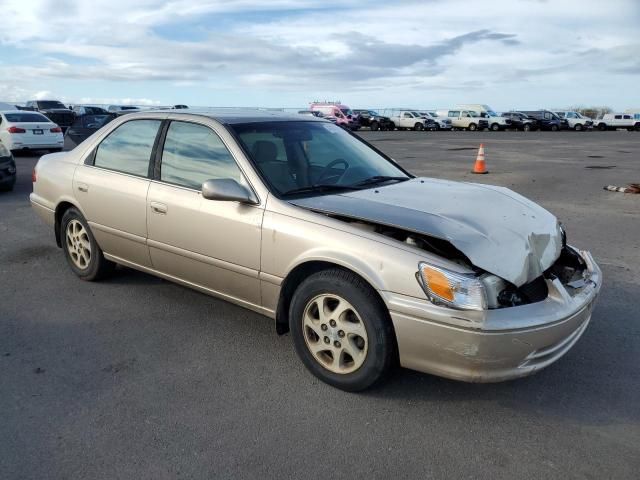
point(243, 254)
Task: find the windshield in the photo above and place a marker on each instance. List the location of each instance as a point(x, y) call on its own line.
point(472, 113)
point(50, 104)
point(373, 113)
point(346, 111)
point(295, 155)
point(416, 114)
point(492, 113)
point(27, 117)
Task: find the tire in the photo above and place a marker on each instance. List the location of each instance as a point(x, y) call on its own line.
point(418, 127)
point(602, 127)
point(637, 127)
point(495, 127)
point(526, 127)
point(392, 126)
point(364, 313)
point(473, 127)
point(374, 126)
point(81, 250)
point(554, 128)
point(578, 127)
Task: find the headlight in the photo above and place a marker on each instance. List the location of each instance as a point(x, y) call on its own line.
point(452, 289)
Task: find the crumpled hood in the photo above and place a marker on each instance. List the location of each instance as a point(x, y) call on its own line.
point(499, 230)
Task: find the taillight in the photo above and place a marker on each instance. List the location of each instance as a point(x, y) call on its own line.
point(56, 130)
point(34, 177)
point(16, 130)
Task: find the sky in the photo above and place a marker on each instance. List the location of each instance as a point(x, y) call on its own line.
point(509, 54)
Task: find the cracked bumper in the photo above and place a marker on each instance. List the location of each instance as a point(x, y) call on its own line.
point(494, 345)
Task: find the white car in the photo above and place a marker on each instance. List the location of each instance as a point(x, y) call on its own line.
point(576, 120)
point(25, 130)
point(613, 121)
point(441, 122)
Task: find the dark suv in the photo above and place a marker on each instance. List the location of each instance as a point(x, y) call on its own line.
point(7, 169)
point(520, 121)
point(373, 120)
point(547, 120)
point(54, 110)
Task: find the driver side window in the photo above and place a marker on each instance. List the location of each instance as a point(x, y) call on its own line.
point(192, 154)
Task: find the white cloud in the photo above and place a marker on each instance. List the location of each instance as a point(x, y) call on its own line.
point(407, 50)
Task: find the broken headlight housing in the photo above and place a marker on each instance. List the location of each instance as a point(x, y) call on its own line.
point(455, 290)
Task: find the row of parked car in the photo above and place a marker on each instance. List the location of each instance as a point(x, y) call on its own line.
point(467, 117)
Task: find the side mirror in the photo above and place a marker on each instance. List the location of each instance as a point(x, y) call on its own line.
point(227, 190)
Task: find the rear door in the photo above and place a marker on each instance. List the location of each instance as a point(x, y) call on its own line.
point(208, 243)
point(112, 185)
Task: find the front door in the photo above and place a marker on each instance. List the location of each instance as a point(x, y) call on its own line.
point(211, 244)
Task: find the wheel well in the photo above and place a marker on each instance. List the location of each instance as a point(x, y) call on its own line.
point(291, 282)
point(60, 210)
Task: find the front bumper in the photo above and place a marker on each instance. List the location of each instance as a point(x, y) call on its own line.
point(492, 345)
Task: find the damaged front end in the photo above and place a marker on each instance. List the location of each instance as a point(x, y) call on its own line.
point(480, 290)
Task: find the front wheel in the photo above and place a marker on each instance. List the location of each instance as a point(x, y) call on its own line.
point(526, 127)
point(578, 127)
point(81, 249)
point(602, 127)
point(473, 127)
point(554, 128)
point(341, 330)
point(495, 127)
point(418, 127)
point(374, 126)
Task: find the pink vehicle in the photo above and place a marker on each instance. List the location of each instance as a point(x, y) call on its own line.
point(344, 116)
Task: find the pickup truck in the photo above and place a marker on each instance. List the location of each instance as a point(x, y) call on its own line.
point(54, 110)
point(613, 121)
point(405, 119)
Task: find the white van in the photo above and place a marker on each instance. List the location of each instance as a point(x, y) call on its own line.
point(464, 119)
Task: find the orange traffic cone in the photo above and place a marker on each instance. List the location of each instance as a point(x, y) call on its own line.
point(479, 166)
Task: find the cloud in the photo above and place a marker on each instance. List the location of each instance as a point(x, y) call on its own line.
point(295, 49)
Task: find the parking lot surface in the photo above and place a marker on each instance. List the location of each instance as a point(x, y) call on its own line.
point(136, 377)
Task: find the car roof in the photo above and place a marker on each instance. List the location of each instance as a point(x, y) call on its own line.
point(231, 116)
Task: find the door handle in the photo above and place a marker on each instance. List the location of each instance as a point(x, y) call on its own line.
point(159, 208)
point(83, 187)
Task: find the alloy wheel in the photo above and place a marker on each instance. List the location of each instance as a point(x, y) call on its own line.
point(335, 334)
point(78, 244)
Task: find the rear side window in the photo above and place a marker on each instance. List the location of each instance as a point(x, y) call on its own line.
point(618, 117)
point(128, 148)
point(193, 154)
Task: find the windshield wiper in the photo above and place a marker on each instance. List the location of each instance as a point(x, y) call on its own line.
point(322, 187)
point(377, 179)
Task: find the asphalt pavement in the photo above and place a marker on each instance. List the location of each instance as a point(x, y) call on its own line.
point(138, 378)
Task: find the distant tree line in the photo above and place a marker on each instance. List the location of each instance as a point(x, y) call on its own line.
point(592, 112)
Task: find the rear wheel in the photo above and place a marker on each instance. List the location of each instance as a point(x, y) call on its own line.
point(81, 249)
point(637, 127)
point(341, 330)
point(391, 126)
point(602, 127)
point(375, 126)
point(473, 127)
point(526, 127)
